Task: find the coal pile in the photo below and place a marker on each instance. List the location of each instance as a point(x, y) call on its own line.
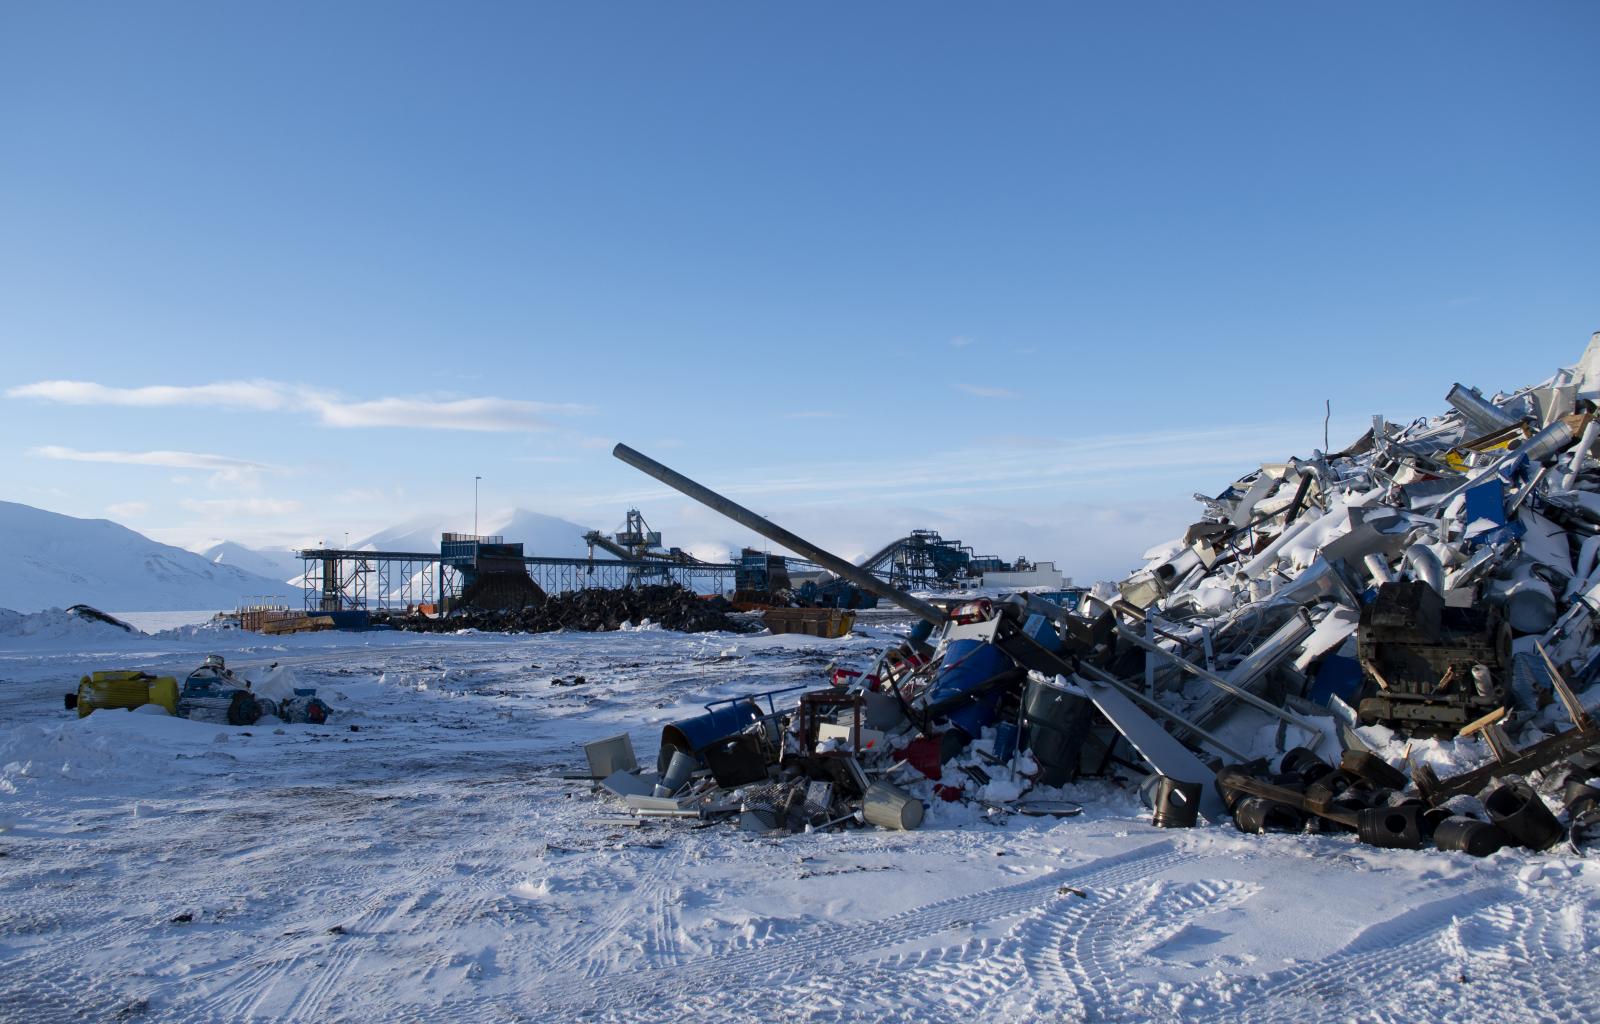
point(591, 611)
point(502, 591)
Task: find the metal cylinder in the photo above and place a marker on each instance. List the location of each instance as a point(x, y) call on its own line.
point(1483, 415)
point(111, 693)
point(692, 735)
point(1425, 566)
point(778, 535)
point(1530, 603)
point(1056, 722)
point(1578, 797)
point(888, 806)
point(679, 768)
point(1378, 568)
point(1303, 762)
point(1397, 828)
point(1469, 836)
point(1555, 438)
point(1257, 815)
point(1519, 812)
point(1177, 803)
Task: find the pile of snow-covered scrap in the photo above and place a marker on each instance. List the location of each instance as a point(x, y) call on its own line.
point(1434, 585)
point(1393, 639)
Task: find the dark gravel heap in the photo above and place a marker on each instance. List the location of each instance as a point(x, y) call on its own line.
point(592, 611)
point(503, 591)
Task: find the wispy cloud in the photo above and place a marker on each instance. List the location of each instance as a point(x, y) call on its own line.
point(238, 394)
point(420, 412)
point(962, 341)
point(811, 414)
point(127, 509)
point(172, 459)
point(983, 392)
point(1100, 465)
point(486, 414)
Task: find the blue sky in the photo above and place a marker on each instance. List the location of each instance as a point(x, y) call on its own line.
point(1028, 274)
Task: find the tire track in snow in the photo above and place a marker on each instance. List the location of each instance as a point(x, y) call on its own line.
point(583, 952)
point(247, 983)
point(1375, 964)
point(825, 947)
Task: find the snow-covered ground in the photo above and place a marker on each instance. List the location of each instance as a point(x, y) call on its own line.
point(435, 866)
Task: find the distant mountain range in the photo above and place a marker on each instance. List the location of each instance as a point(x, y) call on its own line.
point(51, 560)
point(538, 533)
point(276, 565)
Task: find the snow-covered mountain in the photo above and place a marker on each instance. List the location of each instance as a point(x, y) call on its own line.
point(51, 560)
point(274, 565)
point(538, 533)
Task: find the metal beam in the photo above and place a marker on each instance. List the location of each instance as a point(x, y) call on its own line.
point(778, 535)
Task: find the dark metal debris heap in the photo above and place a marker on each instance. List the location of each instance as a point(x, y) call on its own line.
point(1389, 639)
point(593, 611)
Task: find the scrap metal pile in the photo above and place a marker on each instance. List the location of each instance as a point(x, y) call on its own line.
point(1332, 634)
point(595, 610)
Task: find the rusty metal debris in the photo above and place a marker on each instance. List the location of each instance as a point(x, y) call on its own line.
point(1436, 581)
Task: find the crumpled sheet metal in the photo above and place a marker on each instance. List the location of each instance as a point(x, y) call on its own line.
point(1495, 501)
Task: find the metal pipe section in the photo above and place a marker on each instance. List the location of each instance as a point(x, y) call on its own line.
point(1099, 675)
point(1569, 479)
point(1484, 415)
point(1273, 649)
point(1425, 566)
point(1557, 437)
point(778, 535)
point(1217, 681)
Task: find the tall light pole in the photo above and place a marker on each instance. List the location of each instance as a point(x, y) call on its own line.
point(475, 504)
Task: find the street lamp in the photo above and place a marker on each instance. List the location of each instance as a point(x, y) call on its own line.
point(475, 504)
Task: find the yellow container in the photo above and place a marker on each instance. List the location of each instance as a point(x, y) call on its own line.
point(826, 622)
point(126, 689)
point(164, 691)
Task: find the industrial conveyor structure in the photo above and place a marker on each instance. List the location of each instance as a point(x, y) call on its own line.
point(923, 560)
point(337, 579)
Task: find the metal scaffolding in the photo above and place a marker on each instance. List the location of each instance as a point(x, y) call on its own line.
point(341, 580)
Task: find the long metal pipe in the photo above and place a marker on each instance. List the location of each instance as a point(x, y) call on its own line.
point(1482, 414)
point(1273, 649)
point(778, 535)
point(1215, 680)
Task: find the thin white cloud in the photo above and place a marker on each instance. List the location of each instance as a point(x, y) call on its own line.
point(239, 394)
point(486, 414)
point(1098, 465)
point(983, 392)
point(171, 459)
point(127, 509)
point(962, 341)
point(330, 409)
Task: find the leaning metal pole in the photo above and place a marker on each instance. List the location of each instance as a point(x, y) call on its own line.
point(778, 535)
